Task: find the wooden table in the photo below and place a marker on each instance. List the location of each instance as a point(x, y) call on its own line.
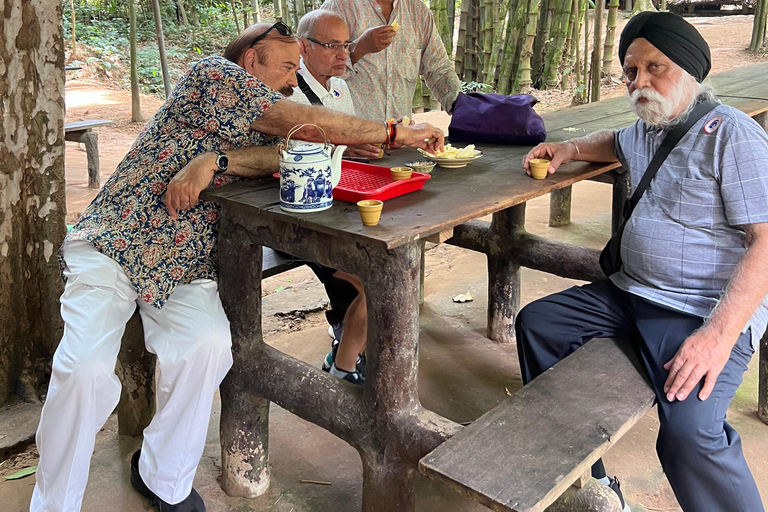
point(385, 421)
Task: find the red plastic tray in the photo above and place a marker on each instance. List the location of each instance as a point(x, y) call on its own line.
point(367, 181)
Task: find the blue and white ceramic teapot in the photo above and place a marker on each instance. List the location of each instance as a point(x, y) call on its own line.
point(308, 174)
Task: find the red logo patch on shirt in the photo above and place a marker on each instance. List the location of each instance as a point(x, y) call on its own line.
point(713, 124)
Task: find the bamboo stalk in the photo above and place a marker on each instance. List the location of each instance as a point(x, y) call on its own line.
point(610, 37)
point(585, 73)
point(461, 42)
point(520, 35)
point(559, 32)
point(539, 44)
point(496, 48)
point(440, 17)
point(573, 45)
point(524, 81)
point(279, 10)
point(596, 47)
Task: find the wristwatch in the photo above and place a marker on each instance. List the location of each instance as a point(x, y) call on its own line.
point(222, 162)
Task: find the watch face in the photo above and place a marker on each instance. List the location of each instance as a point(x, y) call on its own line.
point(222, 162)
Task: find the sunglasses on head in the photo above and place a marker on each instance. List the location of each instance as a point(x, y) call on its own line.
point(282, 29)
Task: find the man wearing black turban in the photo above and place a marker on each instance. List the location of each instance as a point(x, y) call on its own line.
point(691, 292)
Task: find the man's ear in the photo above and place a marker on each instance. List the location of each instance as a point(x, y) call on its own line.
point(302, 47)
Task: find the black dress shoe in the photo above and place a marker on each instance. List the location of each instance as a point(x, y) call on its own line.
point(192, 503)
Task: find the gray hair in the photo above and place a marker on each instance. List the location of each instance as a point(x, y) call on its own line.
point(309, 22)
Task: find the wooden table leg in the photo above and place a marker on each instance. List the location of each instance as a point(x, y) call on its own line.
point(560, 207)
point(244, 428)
point(392, 291)
point(91, 142)
point(504, 275)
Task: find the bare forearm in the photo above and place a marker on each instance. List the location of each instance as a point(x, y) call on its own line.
point(595, 147)
point(339, 128)
point(253, 162)
point(746, 290)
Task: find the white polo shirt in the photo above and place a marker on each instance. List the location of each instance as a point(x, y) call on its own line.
point(336, 97)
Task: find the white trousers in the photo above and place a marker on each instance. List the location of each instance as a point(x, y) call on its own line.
point(191, 338)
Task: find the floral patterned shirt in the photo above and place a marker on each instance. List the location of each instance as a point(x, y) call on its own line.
point(383, 83)
point(212, 107)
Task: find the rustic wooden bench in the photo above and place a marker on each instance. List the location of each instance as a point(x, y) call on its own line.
point(136, 366)
point(522, 455)
point(82, 131)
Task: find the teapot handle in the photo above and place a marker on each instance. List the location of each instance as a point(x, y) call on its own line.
point(298, 127)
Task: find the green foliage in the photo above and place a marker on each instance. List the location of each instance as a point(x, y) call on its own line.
point(473, 86)
point(102, 26)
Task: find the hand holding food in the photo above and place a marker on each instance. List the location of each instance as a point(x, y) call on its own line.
point(422, 135)
point(451, 152)
point(375, 39)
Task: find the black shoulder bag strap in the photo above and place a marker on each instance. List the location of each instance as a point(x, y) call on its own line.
point(610, 257)
point(307, 90)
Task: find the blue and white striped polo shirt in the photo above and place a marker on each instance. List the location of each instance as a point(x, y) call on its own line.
point(684, 239)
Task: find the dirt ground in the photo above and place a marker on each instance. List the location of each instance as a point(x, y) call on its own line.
point(462, 374)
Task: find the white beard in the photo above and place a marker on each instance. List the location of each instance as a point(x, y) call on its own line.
point(659, 109)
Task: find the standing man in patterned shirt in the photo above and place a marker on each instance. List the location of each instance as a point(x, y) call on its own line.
point(395, 41)
point(692, 290)
point(146, 241)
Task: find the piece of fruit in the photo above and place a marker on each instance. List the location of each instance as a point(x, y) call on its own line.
point(407, 121)
point(396, 26)
point(467, 152)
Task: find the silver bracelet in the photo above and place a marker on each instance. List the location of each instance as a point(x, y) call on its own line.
point(578, 151)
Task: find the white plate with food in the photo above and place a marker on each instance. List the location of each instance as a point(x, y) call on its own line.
point(453, 158)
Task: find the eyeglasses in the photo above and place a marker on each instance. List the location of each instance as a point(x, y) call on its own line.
point(282, 29)
point(336, 47)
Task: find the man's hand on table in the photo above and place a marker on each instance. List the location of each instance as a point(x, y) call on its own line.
point(373, 40)
point(702, 355)
point(422, 135)
point(556, 153)
point(184, 189)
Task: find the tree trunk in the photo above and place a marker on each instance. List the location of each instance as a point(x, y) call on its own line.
point(278, 10)
point(594, 69)
point(610, 37)
point(573, 44)
point(74, 22)
point(256, 11)
point(585, 72)
point(136, 116)
point(183, 12)
point(450, 10)
point(193, 10)
point(161, 47)
point(234, 14)
point(32, 202)
point(758, 26)
point(643, 5)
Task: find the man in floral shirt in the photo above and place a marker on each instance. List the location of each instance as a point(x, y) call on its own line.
point(146, 241)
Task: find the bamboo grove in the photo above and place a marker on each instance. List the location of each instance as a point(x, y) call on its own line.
point(511, 46)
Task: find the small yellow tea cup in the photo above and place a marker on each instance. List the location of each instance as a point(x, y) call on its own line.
point(370, 211)
point(401, 173)
point(539, 167)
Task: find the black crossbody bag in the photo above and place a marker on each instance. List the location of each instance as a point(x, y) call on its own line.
point(610, 257)
point(307, 90)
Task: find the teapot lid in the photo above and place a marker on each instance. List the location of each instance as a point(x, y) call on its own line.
point(306, 148)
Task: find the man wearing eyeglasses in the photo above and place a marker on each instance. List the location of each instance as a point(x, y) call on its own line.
point(394, 43)
point(146, 241)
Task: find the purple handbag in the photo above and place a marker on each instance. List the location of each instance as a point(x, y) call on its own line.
point(496, 119)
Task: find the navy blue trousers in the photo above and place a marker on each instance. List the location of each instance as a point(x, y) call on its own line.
point(699, 451)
